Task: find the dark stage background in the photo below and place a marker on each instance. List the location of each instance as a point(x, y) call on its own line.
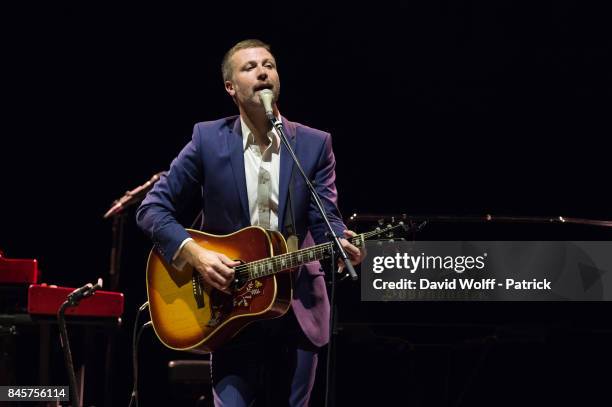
point(456, 108)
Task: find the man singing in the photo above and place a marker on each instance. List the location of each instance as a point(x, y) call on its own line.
point(241, 174)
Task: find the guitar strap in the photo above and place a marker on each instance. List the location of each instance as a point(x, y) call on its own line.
point(290, 230)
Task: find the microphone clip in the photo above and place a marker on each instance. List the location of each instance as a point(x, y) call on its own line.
point(83, 292)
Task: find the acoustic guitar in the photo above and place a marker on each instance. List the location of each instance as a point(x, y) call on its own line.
point(190, 315)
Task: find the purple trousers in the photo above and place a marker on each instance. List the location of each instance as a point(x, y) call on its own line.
point(269, 363)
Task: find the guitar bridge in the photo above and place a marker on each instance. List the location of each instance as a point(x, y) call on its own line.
point(197, 289)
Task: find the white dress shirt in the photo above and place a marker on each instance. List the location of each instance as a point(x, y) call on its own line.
point(270, 161)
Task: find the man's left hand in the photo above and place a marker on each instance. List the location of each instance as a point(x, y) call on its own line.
point(354, 254)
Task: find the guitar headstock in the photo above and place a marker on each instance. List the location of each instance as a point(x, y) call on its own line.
point(382, 227)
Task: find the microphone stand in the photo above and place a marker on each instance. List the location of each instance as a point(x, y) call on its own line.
point(116, 249)
point(118, 213)
point(73, 299)
point(278, 125)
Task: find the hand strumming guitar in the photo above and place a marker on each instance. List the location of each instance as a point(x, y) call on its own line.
point(215, 268)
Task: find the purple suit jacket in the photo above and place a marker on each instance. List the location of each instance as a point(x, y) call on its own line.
point(210, 170)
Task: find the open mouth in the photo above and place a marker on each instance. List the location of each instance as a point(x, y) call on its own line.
point(262, 86)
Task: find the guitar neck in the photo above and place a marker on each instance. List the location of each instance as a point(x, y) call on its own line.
point(287, 261)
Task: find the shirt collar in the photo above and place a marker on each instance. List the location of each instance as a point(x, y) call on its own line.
point(248, 139)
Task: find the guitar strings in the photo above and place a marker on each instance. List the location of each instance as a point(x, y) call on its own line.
point(243, 270)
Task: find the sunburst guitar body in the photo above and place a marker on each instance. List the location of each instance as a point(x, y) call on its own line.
point(188, 314)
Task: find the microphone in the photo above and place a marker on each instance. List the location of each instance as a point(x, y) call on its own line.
point(132, 197)
point(266, 96)
point(86, 291)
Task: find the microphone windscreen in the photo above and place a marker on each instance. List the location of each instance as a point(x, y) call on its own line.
point(266, 96)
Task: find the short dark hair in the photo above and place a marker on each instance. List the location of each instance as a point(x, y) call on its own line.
point(226, 67)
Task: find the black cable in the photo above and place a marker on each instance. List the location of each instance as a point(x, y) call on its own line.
point(135, 340)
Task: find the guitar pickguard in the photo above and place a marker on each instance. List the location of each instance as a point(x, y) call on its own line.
point(222, 305)
point(246, 294)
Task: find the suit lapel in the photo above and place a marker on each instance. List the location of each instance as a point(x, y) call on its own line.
point(237, 159)
point(286, 165)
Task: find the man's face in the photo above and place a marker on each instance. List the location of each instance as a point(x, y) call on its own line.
point(253, 69)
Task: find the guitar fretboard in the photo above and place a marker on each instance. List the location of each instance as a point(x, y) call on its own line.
point(287, 261)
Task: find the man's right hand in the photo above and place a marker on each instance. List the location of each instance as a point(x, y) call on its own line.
point(214, 267)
